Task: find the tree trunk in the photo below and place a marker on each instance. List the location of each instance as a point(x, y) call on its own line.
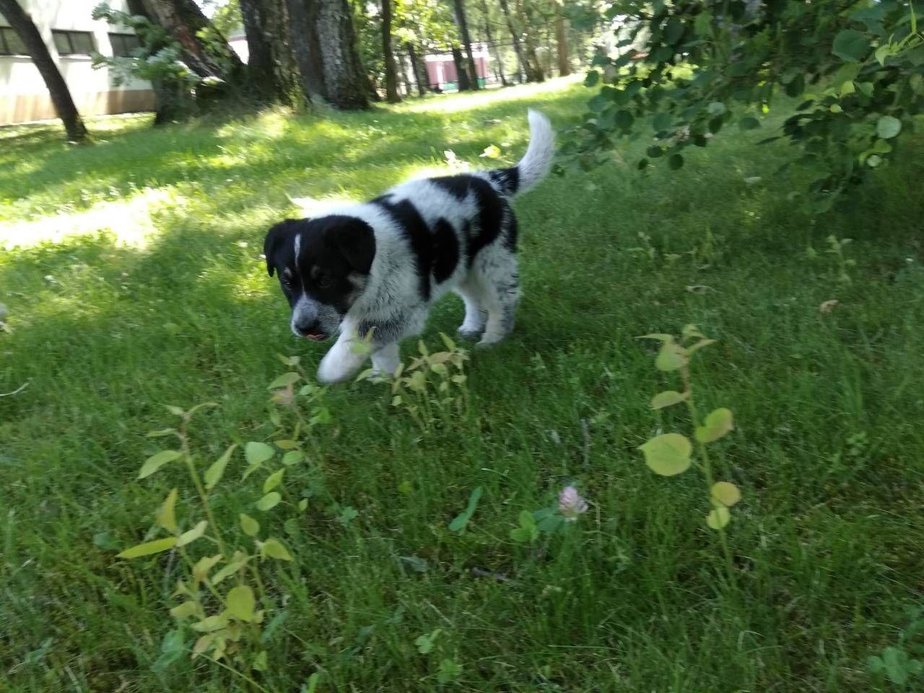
point(517, 46)
point(462, 22)
point(172, 101)
point(29, 34)
point(533, 67)
point(303, 19)
point(462, 80)
point(391, 68)
point(272, 69)
point(420, 71)
point(184, 20)
point(561, 44)
point(344, 77)
point(490, 39)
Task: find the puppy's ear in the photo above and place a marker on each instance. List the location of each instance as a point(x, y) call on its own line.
point(356, 241)
point(274, 237)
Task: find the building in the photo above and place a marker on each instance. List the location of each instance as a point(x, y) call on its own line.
point(441, 70)
point(72, 35)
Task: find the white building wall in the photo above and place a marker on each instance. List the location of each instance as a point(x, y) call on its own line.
point(23, 95)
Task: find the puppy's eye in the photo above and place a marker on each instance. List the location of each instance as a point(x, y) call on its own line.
point(287, 281)
point(324, 281)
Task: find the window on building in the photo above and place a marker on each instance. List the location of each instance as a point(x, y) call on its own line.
point(124, 44)
point(73, 42)
point(10, 43)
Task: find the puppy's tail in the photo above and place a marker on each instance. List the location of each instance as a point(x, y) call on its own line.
point(535, 164)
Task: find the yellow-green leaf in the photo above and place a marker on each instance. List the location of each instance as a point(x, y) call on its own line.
point(166, 515)
point(203, 644)
point(293, 457)
point(667, 454)
point(204, 565)
point(269, 501)
point(214, 473)
point(156, 461)
point(671, 357)
point(211, 623)
point(717, 424)
point(241, 602)
point(185, 610)
point(284, 380)
point(193, 534)
point(275, 549)
point(725, 493)
point(492, 151)
point(273, 480)
point(249, 525)
point(668, 398)
point(148, 548)
point(240, 560)
point(718, 517)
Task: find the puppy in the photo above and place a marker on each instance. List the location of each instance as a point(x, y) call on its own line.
point(372, 270)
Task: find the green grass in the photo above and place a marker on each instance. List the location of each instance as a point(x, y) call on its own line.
point(163, 299)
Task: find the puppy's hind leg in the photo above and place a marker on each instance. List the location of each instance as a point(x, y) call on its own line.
point(501, 283)
point(475, 315)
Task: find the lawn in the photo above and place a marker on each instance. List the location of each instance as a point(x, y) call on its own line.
point(133, 279)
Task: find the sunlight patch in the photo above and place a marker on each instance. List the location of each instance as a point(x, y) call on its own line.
point(129, 221)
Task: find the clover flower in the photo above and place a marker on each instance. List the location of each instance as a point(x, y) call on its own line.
point(571, 504)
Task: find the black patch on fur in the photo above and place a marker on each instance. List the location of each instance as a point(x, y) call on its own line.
point(507, 179)
point(445, 250)
point(457, 186)
point(491, 206)
point(418, 234)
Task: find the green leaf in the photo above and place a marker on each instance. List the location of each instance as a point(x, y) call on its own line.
point(425, 642)
point(250, 526)
point(241, 602)
point(716, 108)
point(269, 501)
point(172, 649)
point(176, 411)
point(675, 161)
point(293, 457)
point(661, 121)
point(158, 460)
point(725, 493)
point(592, 79)
point(749, 123)
point(668, 398)
point(284, 380)
point(462, 519)
point(667, 454)
point(148, 548)
point(671, 357)
point(259, 662)
point(258, 453)
point(717, 424)
point(166, 515)
point(211, 623)
point(527, 532)
point(850, 45)
point(193, 534)
point(204, 565)
point(273, 480)
point(718, 517)
point(275, 549)
point(214, 473)
point(888, 127)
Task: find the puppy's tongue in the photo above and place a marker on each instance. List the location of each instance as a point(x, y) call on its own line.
point(316, 336)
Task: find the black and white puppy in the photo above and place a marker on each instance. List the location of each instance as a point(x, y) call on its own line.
point(378, 266)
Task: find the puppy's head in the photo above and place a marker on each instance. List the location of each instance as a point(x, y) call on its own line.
point(323, 265)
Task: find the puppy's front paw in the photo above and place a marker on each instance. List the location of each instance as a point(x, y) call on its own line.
point(339, 364)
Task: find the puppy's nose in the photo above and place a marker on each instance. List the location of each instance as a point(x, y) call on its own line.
point(311, 330)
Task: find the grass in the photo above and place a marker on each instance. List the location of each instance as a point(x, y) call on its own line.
point(160, 297)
